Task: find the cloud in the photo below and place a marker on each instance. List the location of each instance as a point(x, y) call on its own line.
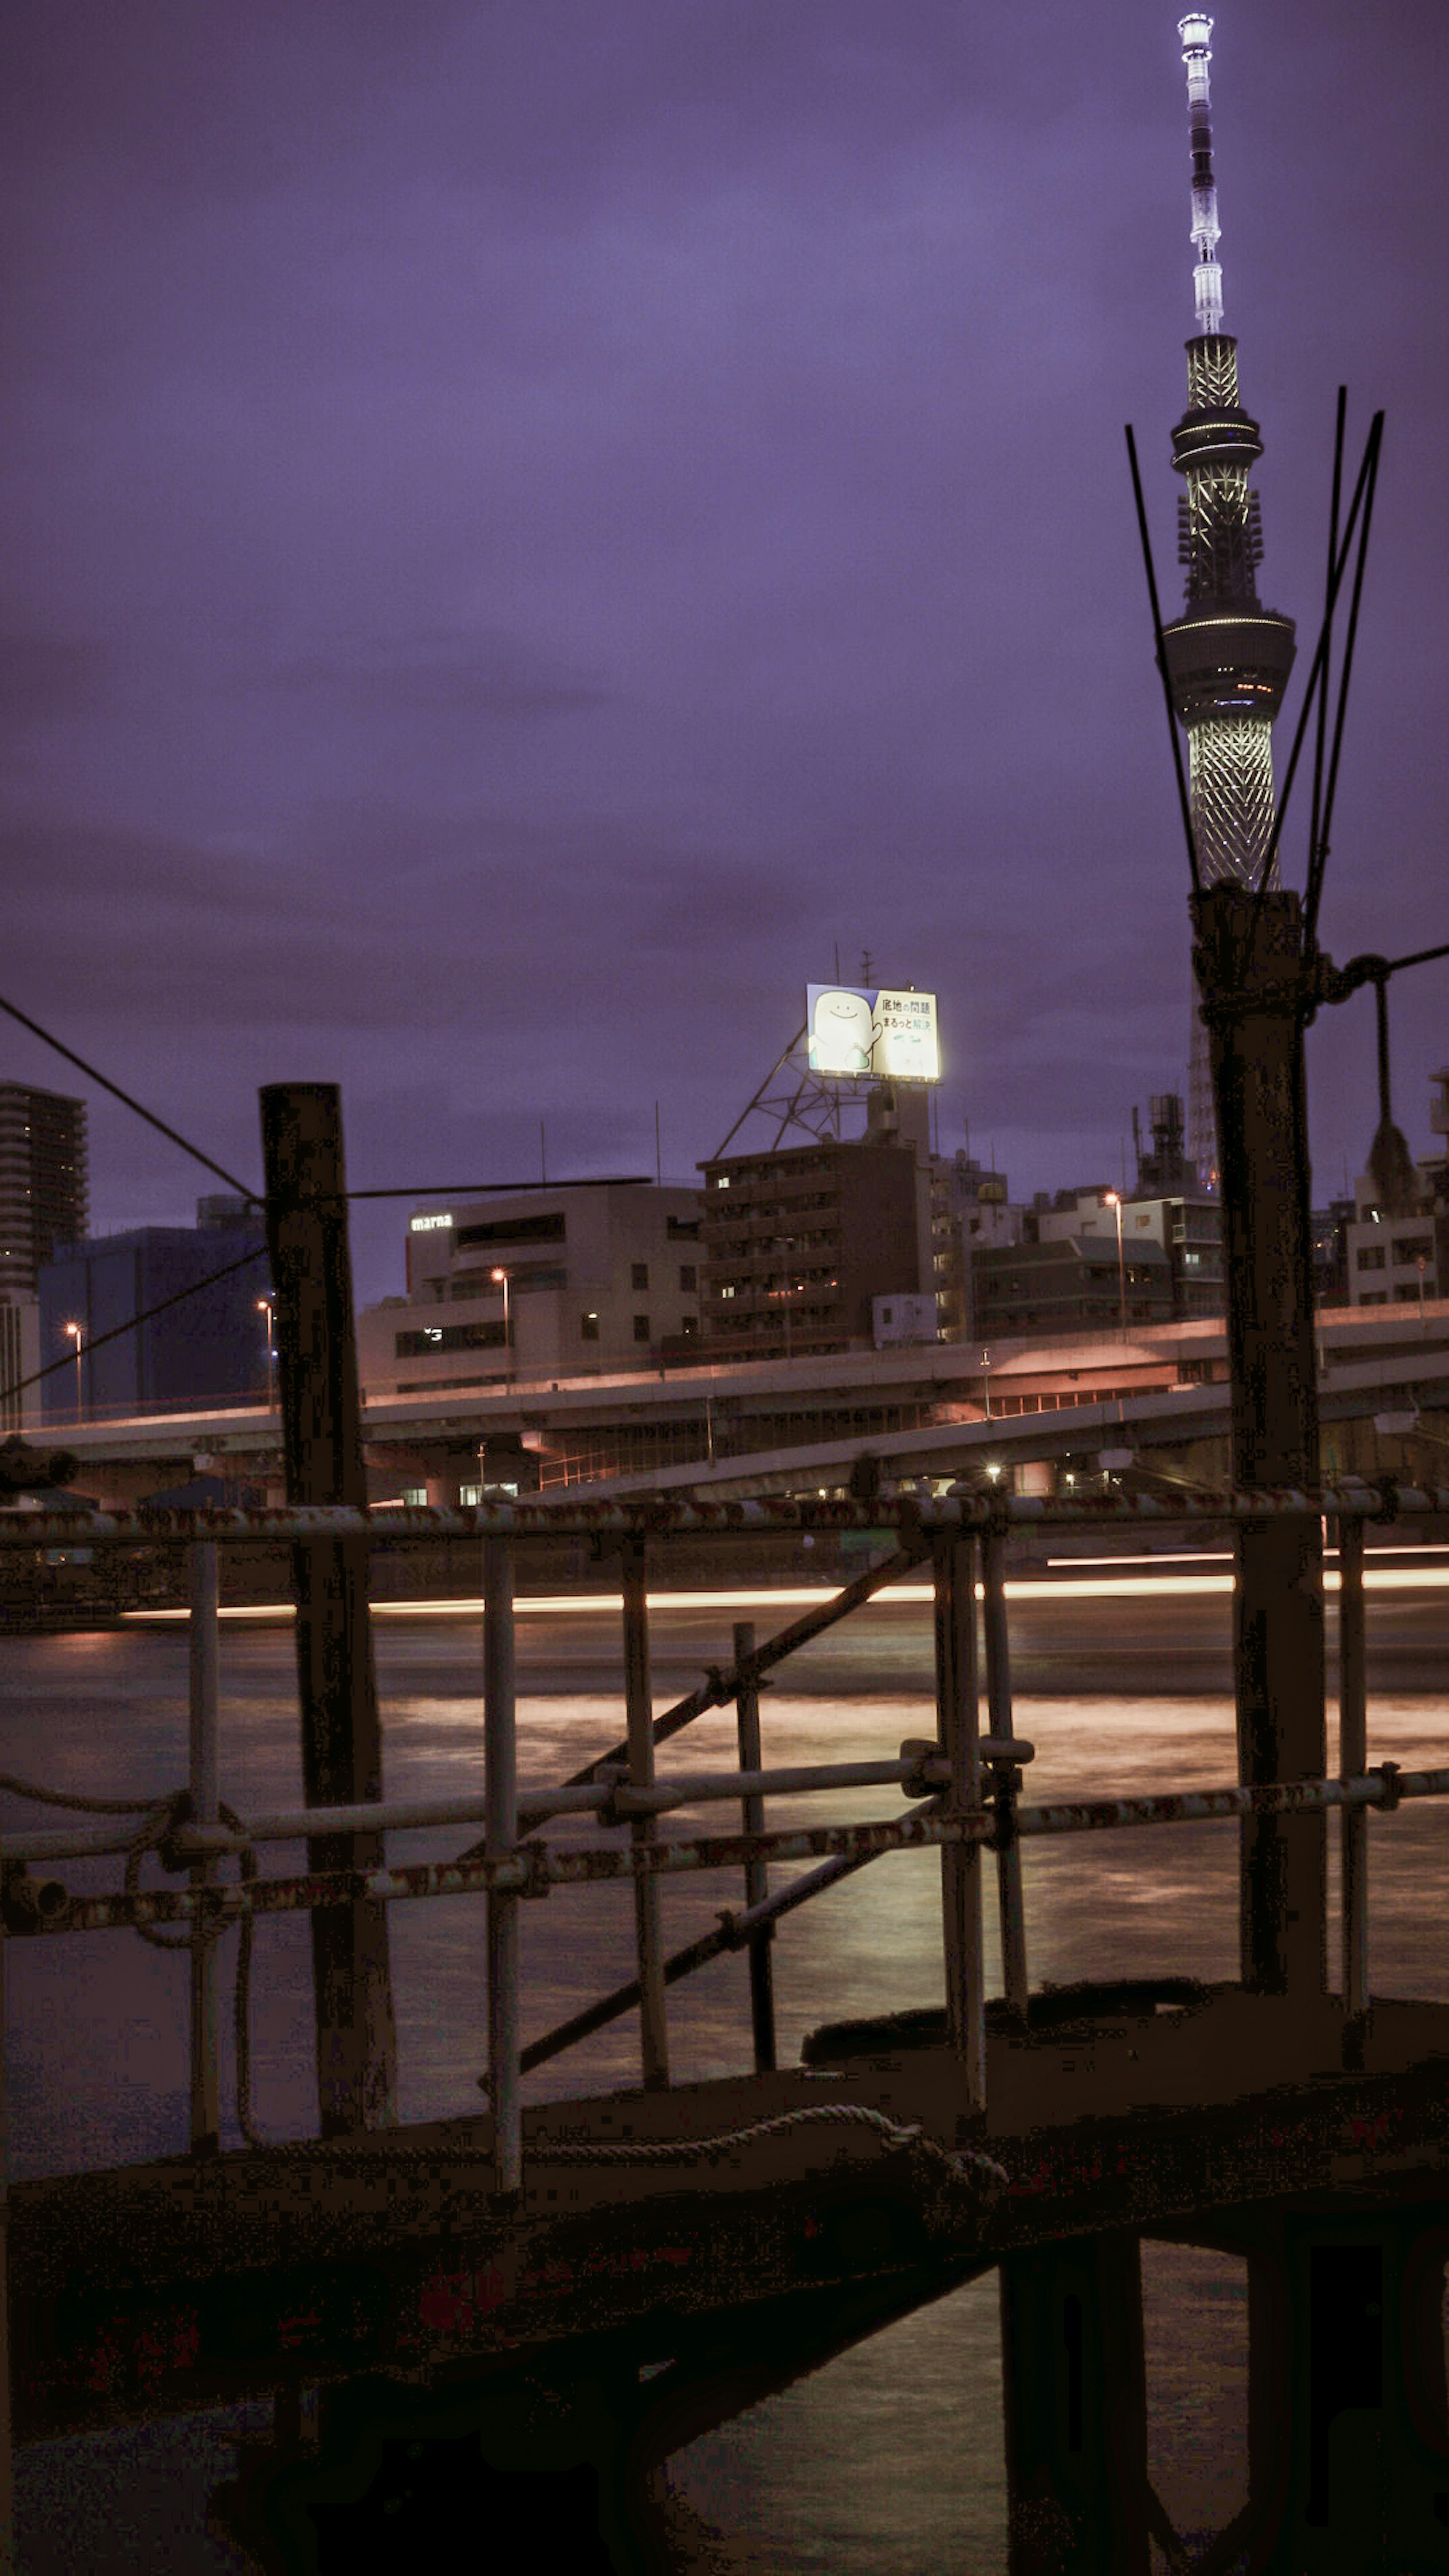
point(46, 679)
point(429, 927)
point(447, 677)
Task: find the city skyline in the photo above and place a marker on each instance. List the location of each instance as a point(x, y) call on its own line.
point(533, 533)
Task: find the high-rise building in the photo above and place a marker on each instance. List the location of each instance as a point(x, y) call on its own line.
point(1228, 658)
point(209, 1343)
point(801, 1243)
point(43, 1182)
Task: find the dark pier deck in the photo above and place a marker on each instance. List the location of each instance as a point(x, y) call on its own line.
point(595, 2282)
point(187, 2283)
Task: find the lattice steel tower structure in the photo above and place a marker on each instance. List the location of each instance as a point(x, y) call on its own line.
point(1228, 658)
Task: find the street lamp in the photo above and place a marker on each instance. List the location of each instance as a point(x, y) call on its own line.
point(264, 1307)
point(501, 1276)
point(76, 1333)
point(1114, 1202)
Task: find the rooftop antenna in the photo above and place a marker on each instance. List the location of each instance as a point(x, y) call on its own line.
point(1195, 32)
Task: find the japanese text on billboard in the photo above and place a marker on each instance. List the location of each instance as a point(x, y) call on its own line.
point(887, 1034)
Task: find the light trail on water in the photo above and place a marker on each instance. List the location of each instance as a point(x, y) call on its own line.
point(1122, 1587)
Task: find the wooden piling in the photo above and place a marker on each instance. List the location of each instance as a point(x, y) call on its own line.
point(322, 1446)
point(1257, 989)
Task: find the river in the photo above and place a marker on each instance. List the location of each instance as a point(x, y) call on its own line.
point(889, 2461)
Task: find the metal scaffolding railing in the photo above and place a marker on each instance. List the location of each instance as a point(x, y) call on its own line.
point(964, 1784)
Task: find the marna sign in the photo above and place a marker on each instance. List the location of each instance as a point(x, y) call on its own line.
point(887, 1034)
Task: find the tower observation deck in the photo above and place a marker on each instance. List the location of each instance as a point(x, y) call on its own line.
point(1228, 658)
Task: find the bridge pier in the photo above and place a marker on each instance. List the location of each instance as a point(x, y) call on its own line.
point(1348, 2424)
point(1075, 2392)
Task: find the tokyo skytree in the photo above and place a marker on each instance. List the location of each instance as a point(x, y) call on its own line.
point(1228, 658)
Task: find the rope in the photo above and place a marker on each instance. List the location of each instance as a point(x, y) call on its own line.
point(159, 1819)
point(857, 2114)
point(69, 1798)
point(158, 1825)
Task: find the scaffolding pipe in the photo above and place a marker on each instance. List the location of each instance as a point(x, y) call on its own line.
point(916, 1520)
point(639, 1712)
point(204, 1787)
point(500, 1782)
point(1008, 1851)
point(1352, 1761)
point(8, 2561)
point(719, 1688)
point(534, 1870)
point(752, 1821)
point(959, 1731)
point(614, 1800)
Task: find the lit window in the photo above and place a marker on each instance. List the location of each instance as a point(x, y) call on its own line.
point(415, 1497)
point(588, 1328)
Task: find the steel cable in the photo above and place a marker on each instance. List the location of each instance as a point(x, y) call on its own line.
point(171, 1133)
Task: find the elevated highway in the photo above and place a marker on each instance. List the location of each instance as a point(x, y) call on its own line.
point(935, 1412)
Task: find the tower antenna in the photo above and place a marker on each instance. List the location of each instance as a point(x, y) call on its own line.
point(1195, 32)
point(1226, 658)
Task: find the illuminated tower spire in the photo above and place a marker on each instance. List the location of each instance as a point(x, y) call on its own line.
point(1207, 277)
point(1228, 658)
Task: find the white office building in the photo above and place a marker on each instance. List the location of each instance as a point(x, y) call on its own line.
point(538, 1285)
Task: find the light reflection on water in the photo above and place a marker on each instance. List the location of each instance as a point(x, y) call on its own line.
point(830, 2474)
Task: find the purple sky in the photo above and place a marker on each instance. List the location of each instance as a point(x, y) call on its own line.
point(530, 524)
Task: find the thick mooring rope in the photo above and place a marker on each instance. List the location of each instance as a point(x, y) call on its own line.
point(961, 2160)
point(161, 1816)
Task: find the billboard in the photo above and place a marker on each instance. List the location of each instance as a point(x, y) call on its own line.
point(887, 1034)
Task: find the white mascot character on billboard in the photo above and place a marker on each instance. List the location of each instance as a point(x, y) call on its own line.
point(840, 1041)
